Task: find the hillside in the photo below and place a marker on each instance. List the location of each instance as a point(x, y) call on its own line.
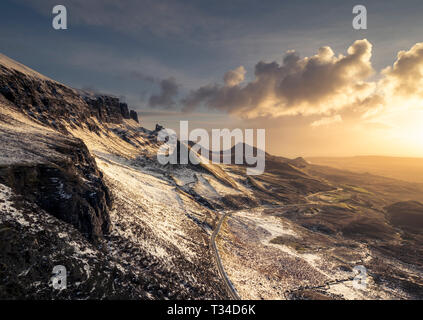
point(66, 160)
point(80, 186)
point(85, 160)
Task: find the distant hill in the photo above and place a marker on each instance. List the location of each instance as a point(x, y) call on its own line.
point(407, 169)
point(407, 214)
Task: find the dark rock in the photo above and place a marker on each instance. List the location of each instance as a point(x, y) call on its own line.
point(27, 259)
point(51, 100)
point(106, 109)
point(134, 116)
point(124, 111)
point(71, 190)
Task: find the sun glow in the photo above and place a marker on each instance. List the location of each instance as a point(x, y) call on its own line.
point(404, 130)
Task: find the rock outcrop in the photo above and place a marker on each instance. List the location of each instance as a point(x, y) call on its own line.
point(57, 105)
point(66, 183)
point(108, 109)
point(50, 167)
point(134, 116)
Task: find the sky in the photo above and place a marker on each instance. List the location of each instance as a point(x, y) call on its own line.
point(296, 68)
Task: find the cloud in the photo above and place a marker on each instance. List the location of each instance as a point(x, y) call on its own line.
point(168, 92)
point(234, 77)
point(327, 121)
point(312, 85)
point(405, 77)
point(139, 75)
point(400, 87)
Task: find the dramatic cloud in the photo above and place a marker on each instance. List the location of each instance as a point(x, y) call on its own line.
point(312, 85)
point(327, 121)
point(405, 77)
point(396, 105)
point(168, 92)
point(400, 87)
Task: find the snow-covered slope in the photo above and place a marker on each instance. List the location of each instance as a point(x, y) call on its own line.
point(156, 243)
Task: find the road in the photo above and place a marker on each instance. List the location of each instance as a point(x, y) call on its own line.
point(232, 291)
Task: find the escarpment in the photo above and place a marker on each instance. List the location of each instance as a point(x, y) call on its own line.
point(46, 165)
point(56, 105)
point(60, 176)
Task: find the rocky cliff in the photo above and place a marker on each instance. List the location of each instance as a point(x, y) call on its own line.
point(53, 169)
point(54, 104)
point(74, 192)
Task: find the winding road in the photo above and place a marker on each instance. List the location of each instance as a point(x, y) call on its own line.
point(231, 289)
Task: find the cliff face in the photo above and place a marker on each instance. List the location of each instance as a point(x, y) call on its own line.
point(50, 167)
point(62, 177)
point(134, 116)
point(59, 175)
point(108, 109)
point(54, 104)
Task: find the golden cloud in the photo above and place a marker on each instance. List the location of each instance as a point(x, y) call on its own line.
point(319, 84)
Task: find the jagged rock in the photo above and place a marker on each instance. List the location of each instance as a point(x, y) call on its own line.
point(106, 109)
point(55, 104)
point(134, 116)
point(124, 111)
point(65, 182)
